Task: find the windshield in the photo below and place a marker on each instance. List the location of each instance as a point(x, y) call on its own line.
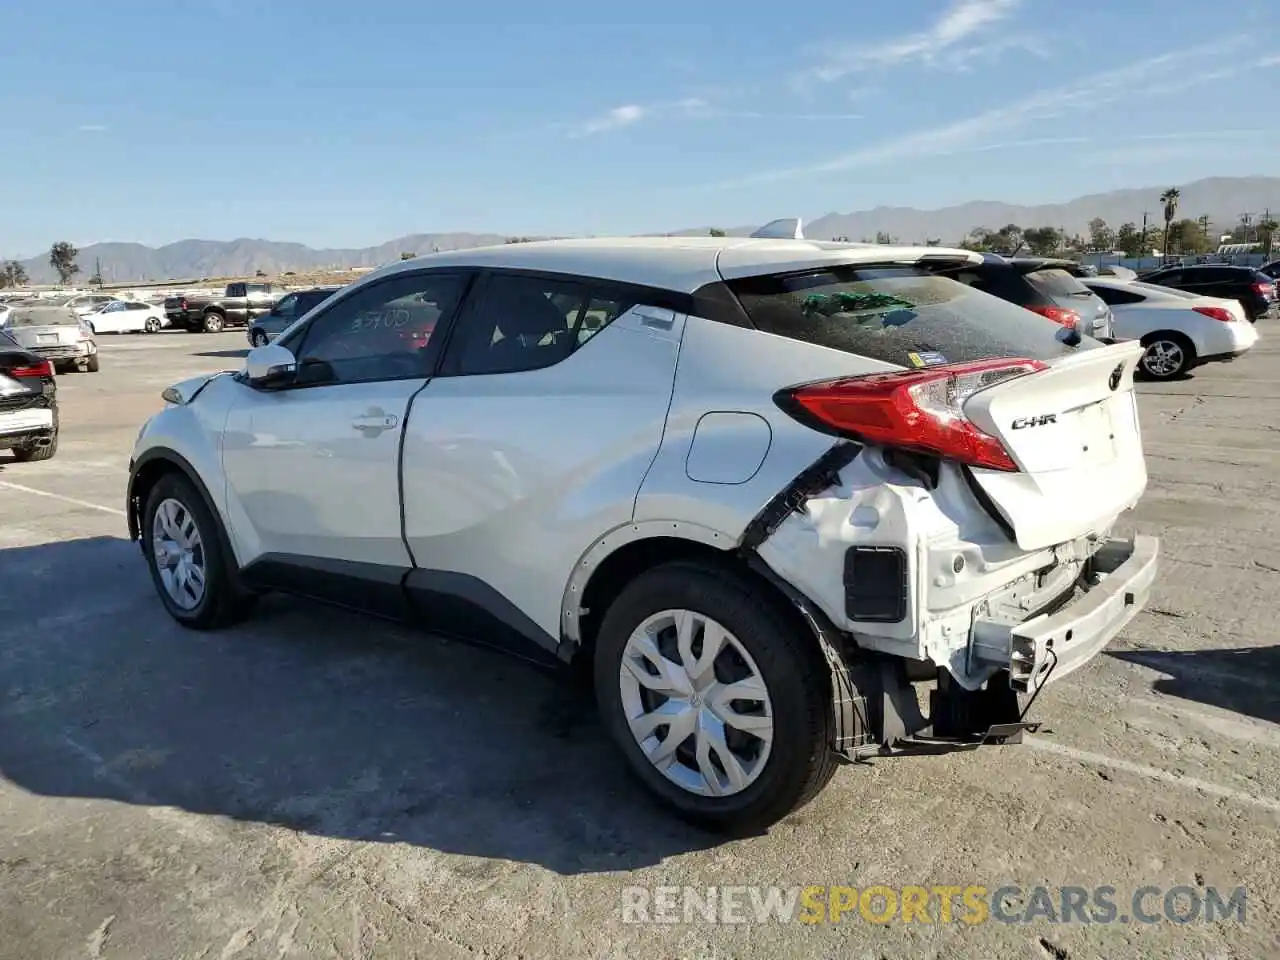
point(900, 315)
point(42, 317)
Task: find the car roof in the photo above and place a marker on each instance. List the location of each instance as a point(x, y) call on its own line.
point(681, 264)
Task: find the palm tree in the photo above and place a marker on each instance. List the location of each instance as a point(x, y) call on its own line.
point(1170, 200)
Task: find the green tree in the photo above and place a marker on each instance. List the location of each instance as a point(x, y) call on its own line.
point(978, 240)
point(13, 274)
point(1129, 240)
point(407, 255)
point(62, 257)
point(715, 232)
point(1187, 237)
point(1042, 241)
point(884, 237)
point(1169, 201)
point(1101, 237)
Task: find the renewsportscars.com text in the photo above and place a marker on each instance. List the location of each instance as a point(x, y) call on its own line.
point(973, 904)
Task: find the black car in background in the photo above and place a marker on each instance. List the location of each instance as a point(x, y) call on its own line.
point(292, 306)
point(1044, 285)
point(1254, 289)
point(28, 403)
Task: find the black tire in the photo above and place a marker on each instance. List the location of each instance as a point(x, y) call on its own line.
point(152, 325)
point(1163, 342)
point(213, 322)
point(225, 600)
point(801, 761)
point(34, 452)
point(94, 365)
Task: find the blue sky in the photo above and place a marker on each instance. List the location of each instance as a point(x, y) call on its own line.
point(340, 124)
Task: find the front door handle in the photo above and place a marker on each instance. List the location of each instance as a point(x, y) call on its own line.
point(374, 422)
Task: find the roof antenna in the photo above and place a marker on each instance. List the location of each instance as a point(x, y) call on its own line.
point(788, 228)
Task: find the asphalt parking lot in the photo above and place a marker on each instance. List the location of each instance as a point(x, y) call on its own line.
point(314, 784)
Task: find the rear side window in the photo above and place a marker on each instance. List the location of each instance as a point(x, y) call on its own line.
point(1054, 282)
point(899, 315)
point(528, 323)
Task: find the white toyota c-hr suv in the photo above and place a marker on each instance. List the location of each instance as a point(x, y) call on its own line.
point(763, 487)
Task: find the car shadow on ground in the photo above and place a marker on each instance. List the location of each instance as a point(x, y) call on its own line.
point(307, 717)
point(223, 354)
point(1245, 680)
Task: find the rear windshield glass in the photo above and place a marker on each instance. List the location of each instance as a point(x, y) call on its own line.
point(42, 317)
point(1057, 283)
point(899, 315)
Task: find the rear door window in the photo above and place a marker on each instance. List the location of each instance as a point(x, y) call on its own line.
point(1116, 298)
point(899, 315)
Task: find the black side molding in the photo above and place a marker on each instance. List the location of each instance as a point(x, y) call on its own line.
point(820, 475)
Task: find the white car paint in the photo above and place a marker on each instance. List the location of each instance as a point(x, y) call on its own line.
point(126, 316)
point(1162, 309)
point(664, 426)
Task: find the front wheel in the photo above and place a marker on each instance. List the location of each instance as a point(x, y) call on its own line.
point(182, 541)
point(213, 322)
point(258, 339)
point(718, 703)
point(152, 325)
point(93, 365)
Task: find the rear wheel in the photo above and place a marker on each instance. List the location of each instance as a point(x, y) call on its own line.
point(1168, 355)
point(183, 542)
point(152, 325)
point(258, 339)
point(717, 702)
point(93, 364)
point(214, 322)
point(41, 450)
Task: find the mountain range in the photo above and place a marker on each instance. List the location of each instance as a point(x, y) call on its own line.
point(1222, 199)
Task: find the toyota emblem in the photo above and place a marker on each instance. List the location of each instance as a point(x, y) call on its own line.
point(1116, 376)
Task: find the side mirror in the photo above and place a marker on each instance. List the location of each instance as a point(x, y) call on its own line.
point(270, 366)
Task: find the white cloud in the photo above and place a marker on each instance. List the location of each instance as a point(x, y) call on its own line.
point(91, 128)
point(1152, 76)
point(690, 108)
point(944, 42)
point(623, 116)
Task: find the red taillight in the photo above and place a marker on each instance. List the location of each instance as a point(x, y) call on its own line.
point(183, 303)
point(913, 410)
point(35, 371)
point(1068, 318)
point(1265, 289)
point(1218, 313)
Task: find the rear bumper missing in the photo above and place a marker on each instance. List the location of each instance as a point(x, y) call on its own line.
point(1051, 647)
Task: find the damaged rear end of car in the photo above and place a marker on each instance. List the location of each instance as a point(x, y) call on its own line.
point(953, 544)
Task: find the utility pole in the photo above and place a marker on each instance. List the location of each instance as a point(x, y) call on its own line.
point(1245, 220)
point(1143, 251)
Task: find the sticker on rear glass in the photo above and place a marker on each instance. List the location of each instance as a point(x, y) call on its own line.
point(926, 358)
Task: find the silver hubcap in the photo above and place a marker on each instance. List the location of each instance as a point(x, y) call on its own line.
point(1162, 358)
point(179, 553)
point(696, 703)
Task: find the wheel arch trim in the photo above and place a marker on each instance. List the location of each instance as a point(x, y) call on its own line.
point(168, 460)
point(605, 546)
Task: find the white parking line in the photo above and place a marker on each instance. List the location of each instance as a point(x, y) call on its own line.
point(114, 511)
point(1154, 773)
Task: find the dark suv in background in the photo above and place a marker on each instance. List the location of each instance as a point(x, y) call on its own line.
point(267, 327)
point(1045, 286)
point(1254, 289)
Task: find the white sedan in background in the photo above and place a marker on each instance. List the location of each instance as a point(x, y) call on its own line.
point(127, 316)
point(1180, 330)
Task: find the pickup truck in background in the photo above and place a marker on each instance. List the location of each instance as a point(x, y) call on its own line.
point(239, 304)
